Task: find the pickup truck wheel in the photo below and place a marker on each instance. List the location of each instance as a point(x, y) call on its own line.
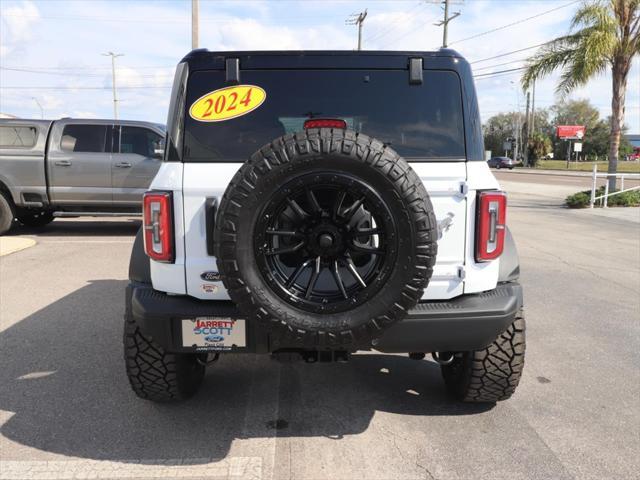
point(492, 374)
point(39, 219)
point(7, 214)
point(155, 374)
point(326, 237)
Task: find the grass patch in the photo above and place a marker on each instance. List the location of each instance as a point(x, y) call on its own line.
point(623, 167)
point(626, 199)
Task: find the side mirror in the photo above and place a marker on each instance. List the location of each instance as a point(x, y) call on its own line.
point(158, 153)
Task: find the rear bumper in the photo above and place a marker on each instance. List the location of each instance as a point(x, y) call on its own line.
point(468, 322)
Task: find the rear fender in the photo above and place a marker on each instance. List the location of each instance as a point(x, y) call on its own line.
point(139, 267)
point(509, 260)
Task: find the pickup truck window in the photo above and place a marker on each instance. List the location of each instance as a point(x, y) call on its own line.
point(18, 137)
point(84, 138)
point(139, 140)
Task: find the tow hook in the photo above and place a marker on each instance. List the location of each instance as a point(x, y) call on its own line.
point(208, 359)
point(443, 358)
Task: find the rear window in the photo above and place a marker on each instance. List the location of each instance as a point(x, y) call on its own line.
point(84, 138)
point(418, 121)
point(18, 137)
point(139, 140)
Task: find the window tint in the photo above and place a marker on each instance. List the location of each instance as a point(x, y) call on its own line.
point(418, 121)
point(139, 140)
point(18, 137)
point(84, 138)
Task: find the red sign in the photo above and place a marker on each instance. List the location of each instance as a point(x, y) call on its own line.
point(571, 131)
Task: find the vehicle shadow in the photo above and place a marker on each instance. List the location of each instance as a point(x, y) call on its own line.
point(63, 379)
point(81, 227)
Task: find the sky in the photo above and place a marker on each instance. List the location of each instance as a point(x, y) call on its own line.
point(51, 52)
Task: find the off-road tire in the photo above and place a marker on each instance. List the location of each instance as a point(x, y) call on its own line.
point(155, 374)
point(492, 374)
point(36, 220)
point(7, 214)
point(319, 151)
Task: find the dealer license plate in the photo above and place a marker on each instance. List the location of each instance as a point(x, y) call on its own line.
point(214, 333)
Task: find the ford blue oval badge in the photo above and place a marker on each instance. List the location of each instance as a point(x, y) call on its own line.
point(214, 338)
point(210, 276)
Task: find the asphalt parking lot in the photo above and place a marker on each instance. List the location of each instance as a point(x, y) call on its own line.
point(66, 410)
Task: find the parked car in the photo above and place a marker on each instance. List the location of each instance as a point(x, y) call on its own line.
point(370, 222)
point(74, 166)
point(501, 162)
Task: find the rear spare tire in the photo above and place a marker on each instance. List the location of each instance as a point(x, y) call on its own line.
point(326, 237)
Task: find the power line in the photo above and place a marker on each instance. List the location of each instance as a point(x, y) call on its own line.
point(386, 31)
point(501, 64)
point(185, 20)
point(506, 54)
point(517, 22)
point(498, 72)
point(71, 74)
point(129, 87)
point(84, 67)
point(410, 31)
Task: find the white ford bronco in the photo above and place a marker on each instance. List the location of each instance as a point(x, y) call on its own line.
point(315, 204)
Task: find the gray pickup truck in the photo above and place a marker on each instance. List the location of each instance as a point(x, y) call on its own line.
point(72, 166)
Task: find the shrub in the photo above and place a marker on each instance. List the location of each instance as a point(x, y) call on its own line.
point(578, 200)
point(625, 199)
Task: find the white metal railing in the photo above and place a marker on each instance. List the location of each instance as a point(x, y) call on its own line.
point(594, 178)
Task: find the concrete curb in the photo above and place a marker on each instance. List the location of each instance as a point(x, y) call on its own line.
point(557, 173)
point(10, 245)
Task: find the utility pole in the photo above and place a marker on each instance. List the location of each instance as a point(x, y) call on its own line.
point(525, 148)
point(41, 109)
point(113, 80)
point(195, 23)
point(445, 22)
point(357, 19)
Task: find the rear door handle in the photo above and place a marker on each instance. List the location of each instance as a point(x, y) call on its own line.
point(123, 165)
point(63, 163)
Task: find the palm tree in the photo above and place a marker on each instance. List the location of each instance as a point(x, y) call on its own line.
point(604, 34)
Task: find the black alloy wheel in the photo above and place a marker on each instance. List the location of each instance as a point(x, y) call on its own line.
point(325, 242)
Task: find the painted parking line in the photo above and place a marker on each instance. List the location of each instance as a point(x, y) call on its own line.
point(10, 245)
point(86, 242)
point(249, 468)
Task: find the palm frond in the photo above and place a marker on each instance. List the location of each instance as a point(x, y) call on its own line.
point(593, 14)
point(555, 54)
point(579, 55)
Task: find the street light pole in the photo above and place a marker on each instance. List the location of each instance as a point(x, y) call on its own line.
point(195, 23)
point(113, 80)
point(41, 109)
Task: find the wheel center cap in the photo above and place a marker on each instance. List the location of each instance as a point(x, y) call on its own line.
point(325, 240)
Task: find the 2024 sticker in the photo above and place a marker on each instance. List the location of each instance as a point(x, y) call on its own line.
point(227, 103)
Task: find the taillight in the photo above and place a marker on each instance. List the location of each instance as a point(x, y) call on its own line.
point(158, 226)
point(325, 123)
point(490, 225)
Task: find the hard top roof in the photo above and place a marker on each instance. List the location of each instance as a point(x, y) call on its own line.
point(203, 59)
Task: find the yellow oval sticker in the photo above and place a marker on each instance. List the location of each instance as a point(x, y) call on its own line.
point(227, 103)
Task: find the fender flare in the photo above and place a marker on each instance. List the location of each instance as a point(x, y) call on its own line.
point(509, 260)
point(139, 264)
